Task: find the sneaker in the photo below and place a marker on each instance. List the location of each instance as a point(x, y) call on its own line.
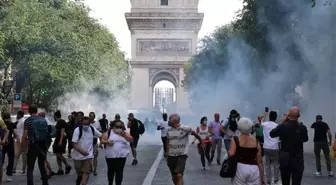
point(203, 168)
point(95, 173)
point(8, 178)
point(218, 162)
point(60, 172)
point(330, 174)
point(318, 174)
point(135, 162)
point(67, 169)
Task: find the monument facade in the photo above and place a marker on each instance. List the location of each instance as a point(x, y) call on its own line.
point(164, 36)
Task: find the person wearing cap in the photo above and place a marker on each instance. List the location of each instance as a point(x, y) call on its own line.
point(133, 125)
point(230, 128)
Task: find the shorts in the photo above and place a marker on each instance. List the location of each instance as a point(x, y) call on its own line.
point(83, 166)
point(134, 144)
point(95, 150)
point(59, 149)
point(177, 164)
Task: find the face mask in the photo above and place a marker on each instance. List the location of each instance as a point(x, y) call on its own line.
point(118, 130)
point(86, 127)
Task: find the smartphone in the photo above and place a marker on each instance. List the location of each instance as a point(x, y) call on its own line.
point(266, 109)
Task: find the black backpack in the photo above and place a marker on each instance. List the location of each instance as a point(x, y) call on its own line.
point(141, 129)
point(81, 131)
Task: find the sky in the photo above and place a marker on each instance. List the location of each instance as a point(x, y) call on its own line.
point(111, 13)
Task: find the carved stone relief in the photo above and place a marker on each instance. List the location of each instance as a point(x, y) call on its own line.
point(163, 47)
point(155, 71)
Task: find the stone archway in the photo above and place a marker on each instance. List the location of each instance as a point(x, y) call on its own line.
point(157, 75)
point(163, 40)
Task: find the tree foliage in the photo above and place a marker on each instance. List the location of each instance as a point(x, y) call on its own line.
point(54, 47)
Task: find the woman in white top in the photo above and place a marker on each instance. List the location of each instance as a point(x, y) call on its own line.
point(117, 149)
point(204, 133)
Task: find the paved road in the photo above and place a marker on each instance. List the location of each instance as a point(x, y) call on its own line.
point(135, 175)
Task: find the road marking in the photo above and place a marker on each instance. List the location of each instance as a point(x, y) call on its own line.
point(152, 171)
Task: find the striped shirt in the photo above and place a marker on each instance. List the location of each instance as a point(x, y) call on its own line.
point(29, 126)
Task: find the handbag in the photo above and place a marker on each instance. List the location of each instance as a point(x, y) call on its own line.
point(229, 166)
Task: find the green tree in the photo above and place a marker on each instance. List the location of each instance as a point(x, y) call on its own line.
point(55, 47)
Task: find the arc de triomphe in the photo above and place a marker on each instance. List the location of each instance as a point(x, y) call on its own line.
point(164, 37)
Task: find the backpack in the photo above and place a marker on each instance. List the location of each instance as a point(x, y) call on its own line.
point(81, 131)
point(40, 129)
point(141, 129)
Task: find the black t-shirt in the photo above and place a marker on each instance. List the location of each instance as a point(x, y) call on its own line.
point(292, 136)
point(134, 130)
point(320, 135)
point(103, 124)
point(70, 127)
point(61, 124)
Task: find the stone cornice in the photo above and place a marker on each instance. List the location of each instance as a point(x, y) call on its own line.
point(158, 62)
point(158, 15)
point(164, 24)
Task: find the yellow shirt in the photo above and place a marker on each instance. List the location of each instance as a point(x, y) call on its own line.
point(2, 124)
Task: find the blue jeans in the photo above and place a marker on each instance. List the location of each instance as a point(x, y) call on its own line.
point(227, 143)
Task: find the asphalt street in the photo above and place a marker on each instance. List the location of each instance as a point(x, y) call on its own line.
point(152, 170)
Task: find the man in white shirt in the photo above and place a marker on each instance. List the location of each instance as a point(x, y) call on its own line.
point(271, 149)
point(82, 152)
point(163, 126)
point(96, 125)
point(17, 144)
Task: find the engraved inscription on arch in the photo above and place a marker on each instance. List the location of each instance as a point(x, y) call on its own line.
point(146, 24)
point(169, 47)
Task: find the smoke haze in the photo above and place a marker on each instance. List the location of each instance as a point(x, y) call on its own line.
point(312, 30)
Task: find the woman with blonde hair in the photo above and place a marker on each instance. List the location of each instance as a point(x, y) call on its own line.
point(250, 169)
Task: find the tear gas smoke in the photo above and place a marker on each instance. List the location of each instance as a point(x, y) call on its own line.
point(313, 31)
